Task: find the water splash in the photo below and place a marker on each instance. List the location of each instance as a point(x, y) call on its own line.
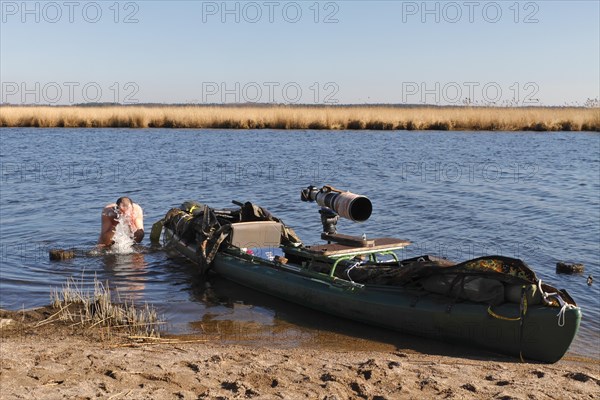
point(123, 238)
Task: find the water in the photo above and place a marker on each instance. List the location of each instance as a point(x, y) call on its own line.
point(123, 238)
point(456, 194)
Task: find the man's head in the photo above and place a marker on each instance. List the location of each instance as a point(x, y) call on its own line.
point(124, 204)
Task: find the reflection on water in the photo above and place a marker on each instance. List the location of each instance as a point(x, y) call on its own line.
point(127, 272)
point(239, 315)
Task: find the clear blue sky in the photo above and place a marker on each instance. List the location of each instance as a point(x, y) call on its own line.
point(521, 52)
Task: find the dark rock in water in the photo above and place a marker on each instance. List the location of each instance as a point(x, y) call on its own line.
point(590, 280)
point(59, 254)
point(568, 268)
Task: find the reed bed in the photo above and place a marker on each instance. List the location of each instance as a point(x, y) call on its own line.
point(89, 308)
point(306, 117)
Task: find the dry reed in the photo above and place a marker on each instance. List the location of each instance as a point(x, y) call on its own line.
point(90, 309)
point(304, 117)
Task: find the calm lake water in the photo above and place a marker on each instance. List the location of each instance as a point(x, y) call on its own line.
point(534, 196)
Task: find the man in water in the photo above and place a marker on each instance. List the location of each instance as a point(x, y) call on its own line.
point(123, 211)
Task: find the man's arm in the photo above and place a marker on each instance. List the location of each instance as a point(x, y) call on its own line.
point(138, 232)
point(106, 231)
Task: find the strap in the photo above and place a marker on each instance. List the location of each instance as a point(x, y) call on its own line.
point(523, 311)
point(498, 316)
point(456, 279)
point(520, 318)
point(156, 231)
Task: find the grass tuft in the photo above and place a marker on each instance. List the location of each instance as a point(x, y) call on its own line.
point(96, 308)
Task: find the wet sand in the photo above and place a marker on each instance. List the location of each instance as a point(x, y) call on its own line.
point(57, 361)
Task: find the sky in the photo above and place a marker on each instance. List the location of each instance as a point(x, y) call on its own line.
point(522, 53)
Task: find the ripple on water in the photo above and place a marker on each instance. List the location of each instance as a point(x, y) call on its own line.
point(457, 194)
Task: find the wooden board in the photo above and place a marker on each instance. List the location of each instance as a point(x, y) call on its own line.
point(334, 250)
point(348, 240)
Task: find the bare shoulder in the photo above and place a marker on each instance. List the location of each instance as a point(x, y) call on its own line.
point(138, 209)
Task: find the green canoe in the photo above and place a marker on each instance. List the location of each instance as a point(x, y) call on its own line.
point(491, 302)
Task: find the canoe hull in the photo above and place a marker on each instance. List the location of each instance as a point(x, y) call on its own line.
point(409, 311)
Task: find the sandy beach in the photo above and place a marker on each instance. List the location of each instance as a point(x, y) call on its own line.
point(54, 360)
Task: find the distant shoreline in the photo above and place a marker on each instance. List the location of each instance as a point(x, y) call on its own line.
point(351, 117)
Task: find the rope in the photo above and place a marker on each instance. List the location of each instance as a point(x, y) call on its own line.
point(561, 315)
point(564, 306)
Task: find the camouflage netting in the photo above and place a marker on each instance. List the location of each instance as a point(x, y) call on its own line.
point(206, 227)
point(489, 279)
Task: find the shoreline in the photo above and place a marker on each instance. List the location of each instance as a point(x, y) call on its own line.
point(42, 360)
point(380, 118)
